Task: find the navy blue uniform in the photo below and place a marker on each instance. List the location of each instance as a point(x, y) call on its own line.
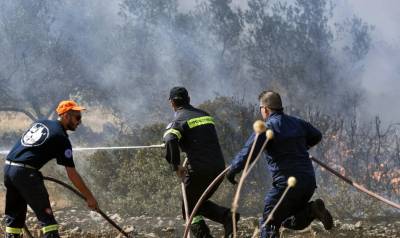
point(45, 140)
point(286, 156)
point(193, 131)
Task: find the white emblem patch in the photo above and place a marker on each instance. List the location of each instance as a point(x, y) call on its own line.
point(35, 136)
point(68, 153)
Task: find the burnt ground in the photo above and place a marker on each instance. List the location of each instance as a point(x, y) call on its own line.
point(78, 222)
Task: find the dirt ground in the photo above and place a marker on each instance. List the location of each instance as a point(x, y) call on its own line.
point(78, 222)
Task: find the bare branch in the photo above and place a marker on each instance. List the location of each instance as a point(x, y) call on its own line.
point(15, 109)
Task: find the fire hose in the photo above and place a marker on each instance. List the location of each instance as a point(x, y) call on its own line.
point(356, 185)
point(108, 219)
point(4, 152)
point(184, 196)
point(259, 128)
point(347, 180)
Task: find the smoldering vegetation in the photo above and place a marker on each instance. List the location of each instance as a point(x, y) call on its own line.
point(122, 57)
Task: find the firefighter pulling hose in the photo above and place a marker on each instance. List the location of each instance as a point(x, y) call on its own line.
point(43, 141)
point(192, 131)
point(287, 156)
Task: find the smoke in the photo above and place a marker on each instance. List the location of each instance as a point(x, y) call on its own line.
point(380, 77)
point(137, 63)
point(381, 80)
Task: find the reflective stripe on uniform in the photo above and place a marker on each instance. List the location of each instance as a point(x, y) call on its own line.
point(173, 131)
point(50, 228)
point(11, 230)
point(197, 219)
point(198, 121)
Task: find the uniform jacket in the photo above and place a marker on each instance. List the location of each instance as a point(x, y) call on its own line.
point(287, 153)
point(45, 140)
point(193, 132)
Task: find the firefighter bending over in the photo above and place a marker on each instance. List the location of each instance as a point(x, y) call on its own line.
point(45, 140)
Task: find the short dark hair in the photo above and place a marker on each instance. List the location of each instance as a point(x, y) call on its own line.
point(179, 95)
point(180, 103)
point(271, 99)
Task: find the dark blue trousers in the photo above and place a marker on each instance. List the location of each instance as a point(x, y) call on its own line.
point(294, 212)
point(25, 186)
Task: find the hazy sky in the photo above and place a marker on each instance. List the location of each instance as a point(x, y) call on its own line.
point(385, 15)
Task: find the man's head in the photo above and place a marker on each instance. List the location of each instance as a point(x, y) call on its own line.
point(270, 101)
point(179, 96)
point(69, 114)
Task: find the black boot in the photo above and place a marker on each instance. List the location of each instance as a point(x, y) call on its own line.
point(200, 230)
point(51, 234)
point(319, 211)
point(271, 231)
point(228, 224)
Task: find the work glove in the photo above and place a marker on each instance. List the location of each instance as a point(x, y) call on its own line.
point(230, 175)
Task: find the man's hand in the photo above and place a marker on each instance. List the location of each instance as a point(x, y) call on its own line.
point(92, 203)
point(181, 171)
point(76, 179)
point(231, 177)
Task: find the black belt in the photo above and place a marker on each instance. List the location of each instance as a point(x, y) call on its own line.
point(20, 165)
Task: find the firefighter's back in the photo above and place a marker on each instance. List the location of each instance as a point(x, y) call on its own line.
point(200, 139)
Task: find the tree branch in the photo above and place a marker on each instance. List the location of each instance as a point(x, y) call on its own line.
point(15, 109)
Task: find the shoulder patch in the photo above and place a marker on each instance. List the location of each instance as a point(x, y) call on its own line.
point(36, 135)
point(68, 153)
